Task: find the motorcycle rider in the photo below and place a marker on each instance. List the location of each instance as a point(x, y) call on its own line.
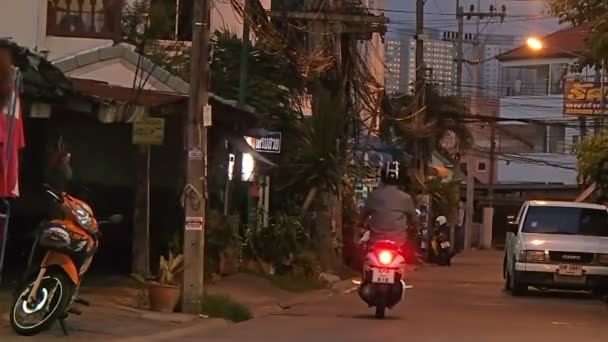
point(388, 210)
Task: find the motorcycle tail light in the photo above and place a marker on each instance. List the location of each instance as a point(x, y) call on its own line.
point(385, 257)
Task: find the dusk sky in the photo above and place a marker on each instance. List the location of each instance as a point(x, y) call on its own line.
point(528, 17)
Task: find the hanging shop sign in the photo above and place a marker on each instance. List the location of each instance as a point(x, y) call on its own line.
point(149, 131)
point(584, 99)
point(270, 143)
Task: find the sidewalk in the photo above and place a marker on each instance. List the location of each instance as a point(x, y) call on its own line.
point(113, 316)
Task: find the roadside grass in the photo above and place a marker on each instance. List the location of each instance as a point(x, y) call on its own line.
point(223, 306)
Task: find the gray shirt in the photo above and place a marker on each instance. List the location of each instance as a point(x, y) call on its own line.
point(390, 210)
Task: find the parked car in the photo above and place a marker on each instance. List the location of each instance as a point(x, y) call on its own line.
point(557, 245)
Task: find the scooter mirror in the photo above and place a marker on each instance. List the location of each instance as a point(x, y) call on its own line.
point(116, 219)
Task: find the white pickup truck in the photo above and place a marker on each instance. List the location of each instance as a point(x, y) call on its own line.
point(557, 245)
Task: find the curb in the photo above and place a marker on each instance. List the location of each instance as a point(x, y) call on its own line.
point(198, 328)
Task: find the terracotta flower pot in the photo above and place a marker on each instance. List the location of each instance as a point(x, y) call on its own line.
point(164, 297)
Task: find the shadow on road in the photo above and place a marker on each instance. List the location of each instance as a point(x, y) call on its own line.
point(555, 294)
point(369, 317)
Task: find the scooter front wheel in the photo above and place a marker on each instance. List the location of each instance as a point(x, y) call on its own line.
point(51, 301)
point(380, 311)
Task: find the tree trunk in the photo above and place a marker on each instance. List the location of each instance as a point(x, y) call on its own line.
point(324, 225)
point(338, 223)
point(312, 193)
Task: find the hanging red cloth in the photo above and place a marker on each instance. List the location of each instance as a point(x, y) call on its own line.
point(12, 140)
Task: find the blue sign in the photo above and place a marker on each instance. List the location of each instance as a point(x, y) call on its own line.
point(270, 143)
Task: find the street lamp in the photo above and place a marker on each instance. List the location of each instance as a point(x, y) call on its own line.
point(534, 43)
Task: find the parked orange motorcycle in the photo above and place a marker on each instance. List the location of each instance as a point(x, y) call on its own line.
point(48, 292)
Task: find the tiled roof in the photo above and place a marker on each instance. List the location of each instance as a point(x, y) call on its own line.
point(570, 42)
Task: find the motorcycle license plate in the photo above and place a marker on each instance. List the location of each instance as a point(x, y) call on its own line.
point(445, 244)
point(383, 276)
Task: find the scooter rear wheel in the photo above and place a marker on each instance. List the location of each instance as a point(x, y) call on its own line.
point(380, 311)
point(52, 300)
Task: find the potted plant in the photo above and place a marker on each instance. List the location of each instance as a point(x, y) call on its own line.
point(165, 293)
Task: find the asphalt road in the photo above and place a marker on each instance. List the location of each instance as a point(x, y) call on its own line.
point(461, 303)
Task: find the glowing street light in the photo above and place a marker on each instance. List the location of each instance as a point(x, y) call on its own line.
point(534, 43)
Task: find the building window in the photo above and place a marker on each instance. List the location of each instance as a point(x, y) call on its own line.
point(84, 19)
point(575, 139)
point(482, 167)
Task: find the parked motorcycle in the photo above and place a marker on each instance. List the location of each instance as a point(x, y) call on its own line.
point(49, 289)
point(382, 285)
point(440, 243)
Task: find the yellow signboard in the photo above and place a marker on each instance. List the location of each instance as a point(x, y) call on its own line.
point(149, 131)
point(584, 99)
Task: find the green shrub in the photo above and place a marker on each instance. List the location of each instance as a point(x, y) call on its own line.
point(222, 306)
point(284, 238)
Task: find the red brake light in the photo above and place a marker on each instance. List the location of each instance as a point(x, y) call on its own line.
point(385, 257)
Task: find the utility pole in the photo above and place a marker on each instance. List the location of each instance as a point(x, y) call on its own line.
point(419, 83)
point(492, 167)
point(461, 37)
point(603, 92)
point(195, 191)
point(468, 220)
point(459, 48)
point(244, 57)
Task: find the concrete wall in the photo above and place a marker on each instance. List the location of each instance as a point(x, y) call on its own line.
point(24, 21)
point(538, 168)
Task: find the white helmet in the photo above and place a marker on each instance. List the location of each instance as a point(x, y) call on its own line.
point(441, 220)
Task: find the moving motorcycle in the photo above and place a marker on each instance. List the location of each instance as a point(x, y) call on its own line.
point(382, 285)
point(50, 289)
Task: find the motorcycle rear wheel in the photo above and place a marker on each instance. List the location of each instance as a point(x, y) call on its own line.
point(49, 307)
point(380, 311)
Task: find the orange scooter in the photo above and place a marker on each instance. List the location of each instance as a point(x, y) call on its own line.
point(70, 243)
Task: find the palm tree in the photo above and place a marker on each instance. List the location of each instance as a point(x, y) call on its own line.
point(320, 165)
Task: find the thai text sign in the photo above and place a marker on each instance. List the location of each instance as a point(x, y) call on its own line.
point(270, 143)
point(149, 131)
point(584, 98)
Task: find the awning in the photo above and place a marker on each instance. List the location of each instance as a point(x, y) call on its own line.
point(438, 171)
point(241, 145)
point(373, 151)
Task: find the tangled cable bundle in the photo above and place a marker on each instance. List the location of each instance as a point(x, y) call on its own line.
point(308, 63)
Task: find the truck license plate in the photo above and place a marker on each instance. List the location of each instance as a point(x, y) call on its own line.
point(570, 270)
point(383, 276)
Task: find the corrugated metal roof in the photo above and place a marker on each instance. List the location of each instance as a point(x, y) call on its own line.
point(569, 43)
point(143, 97)
point(110, 93)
